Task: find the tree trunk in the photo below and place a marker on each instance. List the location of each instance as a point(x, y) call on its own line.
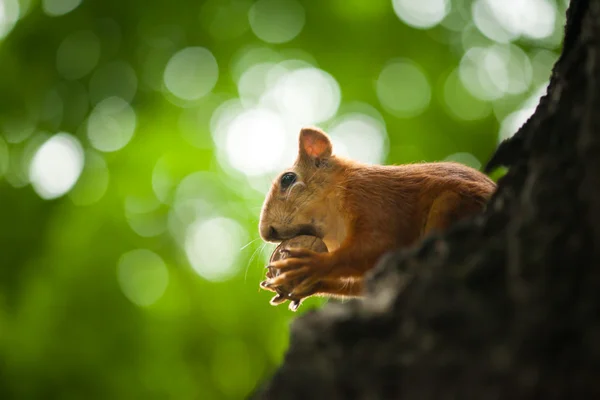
point(505, 305)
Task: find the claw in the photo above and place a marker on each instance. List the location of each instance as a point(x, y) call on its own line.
point(267, 286)
point(294, 304)
point(278, 299)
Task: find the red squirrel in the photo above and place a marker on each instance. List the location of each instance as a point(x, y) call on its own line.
point(360, 211)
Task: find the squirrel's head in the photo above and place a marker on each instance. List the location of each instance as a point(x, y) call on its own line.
point(297, 202)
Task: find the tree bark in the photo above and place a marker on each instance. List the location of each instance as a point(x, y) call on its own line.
point(504, 305)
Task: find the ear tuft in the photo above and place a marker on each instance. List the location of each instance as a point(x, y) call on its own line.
point(314, 144)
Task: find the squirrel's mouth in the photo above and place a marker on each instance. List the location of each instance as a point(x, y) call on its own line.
point(277, 234)
point(297, 231)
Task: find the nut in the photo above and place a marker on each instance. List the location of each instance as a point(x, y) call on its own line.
point(304, 241)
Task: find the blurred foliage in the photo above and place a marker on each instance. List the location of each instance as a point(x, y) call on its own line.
point(137, 143)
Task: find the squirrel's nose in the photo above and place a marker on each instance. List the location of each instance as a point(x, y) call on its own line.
point(272, 234)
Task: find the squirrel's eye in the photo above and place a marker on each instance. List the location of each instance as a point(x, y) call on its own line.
point(287, 180)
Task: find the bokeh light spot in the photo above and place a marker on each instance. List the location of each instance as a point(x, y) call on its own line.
point(111, 124)
point(276, 21)
point(403, 88)
point(517, 66)
point(114, 79)
point(93, 182)
point(306, 96)
point(253, 82)
point(457, 19)
point(255, 142)
point(213, 246)
point(221, 118)
point(197, 197)
point(506, 20)
point(422, 14)
point(466, 159)
point(143, 276)
point(461, 103)
point(492, 72)
point(359, 137)
point(191, 73)
point(9, 15)
point(55, 8)
point(78, 55)
point(162, 181)
point(486, 21)
point(140, 204)
point(149, 224)
point(248, 56)
point(144, 215)
point(18, 126)
point(476, 78)
point(21, 157)
point(56, 166)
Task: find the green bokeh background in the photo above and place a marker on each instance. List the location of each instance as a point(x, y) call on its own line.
point(67, 328)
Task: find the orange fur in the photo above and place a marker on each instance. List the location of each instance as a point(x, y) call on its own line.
point(360, 211)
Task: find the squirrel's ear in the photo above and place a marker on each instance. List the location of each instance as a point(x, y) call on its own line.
point(314, 144)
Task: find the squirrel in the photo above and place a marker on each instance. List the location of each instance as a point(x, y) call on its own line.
point(360, 211)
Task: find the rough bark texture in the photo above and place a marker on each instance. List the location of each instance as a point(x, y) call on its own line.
point(506, 305)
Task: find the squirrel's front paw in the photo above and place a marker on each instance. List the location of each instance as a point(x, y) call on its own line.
point(299, 275)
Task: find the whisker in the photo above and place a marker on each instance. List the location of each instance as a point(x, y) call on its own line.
point(257, 250)
point(249, 243)
point(265, 246)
